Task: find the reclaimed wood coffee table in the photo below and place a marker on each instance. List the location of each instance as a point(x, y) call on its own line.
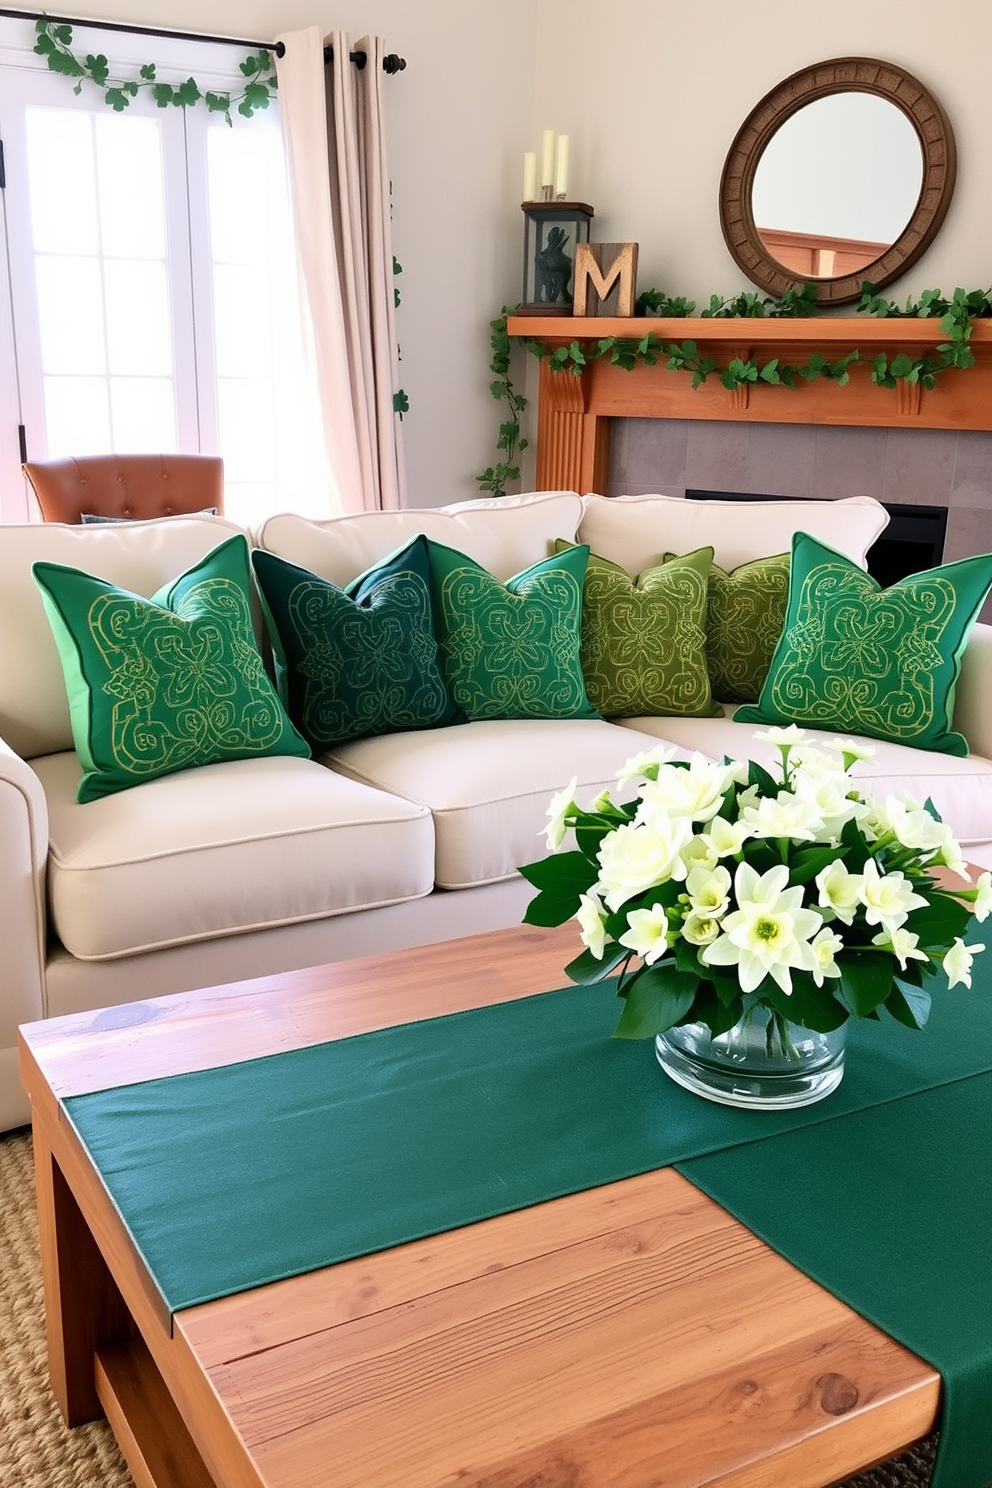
point(630, 1335)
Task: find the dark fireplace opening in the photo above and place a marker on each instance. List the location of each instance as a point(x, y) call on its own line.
point(912, 541)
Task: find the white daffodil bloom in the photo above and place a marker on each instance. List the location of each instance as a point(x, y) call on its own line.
point(699, 853)
point(699, 928)
point(840, 892)
point(696, 793)
point(787, 816)
point(781, 736)
point(726, 838)
point(887, 898)
point(851, 750)
point(815, 762)
point(825, 945)
point(647, 936)
point(637, 857)
point(957, 962)
point(644, 766)
point(708, 890)
point(769, 933)
point(561, 804)
point(592, 923)
point(983, 897)
point(827, 793)
point(885, 812)
point(902, 943)
point(950, 853)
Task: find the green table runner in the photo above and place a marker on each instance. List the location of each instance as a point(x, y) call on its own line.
point(353, 1146)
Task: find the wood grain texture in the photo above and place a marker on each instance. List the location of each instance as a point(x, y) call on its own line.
point(150, 1432)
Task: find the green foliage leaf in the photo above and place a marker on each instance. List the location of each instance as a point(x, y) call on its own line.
point(658, 998)
point(162, 94)
point(908, 1004)
point(98, 68)
point(401, 403)
point(865, 981)
point(940, 923)
point(148, 72)
point(585, 968)
point(117, 99)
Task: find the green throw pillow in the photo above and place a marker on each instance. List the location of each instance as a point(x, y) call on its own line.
point(356, 661)
point(511, 650)
point(644, 640)
point(865, 660)
point(161, 684)
point(744, 620)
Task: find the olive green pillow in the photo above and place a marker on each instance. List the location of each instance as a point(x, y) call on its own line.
point(744, 620)
point(866, 660)
point(644, 640)
point(356, 661)
point(511, 650)
point(161, 684)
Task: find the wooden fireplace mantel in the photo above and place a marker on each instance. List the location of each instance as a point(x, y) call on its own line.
point(574, 412)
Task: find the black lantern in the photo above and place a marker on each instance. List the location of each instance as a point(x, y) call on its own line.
point(551, 231)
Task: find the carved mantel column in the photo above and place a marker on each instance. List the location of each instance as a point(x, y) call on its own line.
point(572, 444)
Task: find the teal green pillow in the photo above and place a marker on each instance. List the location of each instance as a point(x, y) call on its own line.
point(744, 620)
point(356, 661)
point(865, 660)
point(644, 640)
point(161, 684)
point(511, 650)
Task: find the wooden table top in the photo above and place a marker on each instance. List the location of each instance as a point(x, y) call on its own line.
point(634, 1334)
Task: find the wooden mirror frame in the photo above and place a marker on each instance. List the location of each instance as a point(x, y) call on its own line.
point(840, 75)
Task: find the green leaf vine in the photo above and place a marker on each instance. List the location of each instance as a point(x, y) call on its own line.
point(53, 41)
point(956, 315)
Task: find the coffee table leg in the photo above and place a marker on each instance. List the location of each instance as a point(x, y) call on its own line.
point(83, 1307)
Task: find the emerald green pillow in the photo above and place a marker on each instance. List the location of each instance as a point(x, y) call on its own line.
point(511, 650)
point(161, 684)
point(356, 661)
point(744, 620)
point(644, 640)
point(865, 660)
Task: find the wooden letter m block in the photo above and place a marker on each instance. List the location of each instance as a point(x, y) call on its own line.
point(610, 271)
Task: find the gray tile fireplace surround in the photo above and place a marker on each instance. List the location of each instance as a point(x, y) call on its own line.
point(930, 467)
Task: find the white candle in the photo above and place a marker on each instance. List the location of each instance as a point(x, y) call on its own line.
point(548, 158)
point(530, 176)
point(561, 166)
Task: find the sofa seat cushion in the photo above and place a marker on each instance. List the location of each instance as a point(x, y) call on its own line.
point(242, 845)
point(961, 789)
point(488, 784)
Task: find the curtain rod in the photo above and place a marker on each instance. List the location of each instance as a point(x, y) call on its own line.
point(390, 63)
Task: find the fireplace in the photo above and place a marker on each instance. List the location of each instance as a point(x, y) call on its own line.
point(912, 541)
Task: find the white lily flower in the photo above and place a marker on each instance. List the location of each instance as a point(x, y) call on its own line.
point(950, 853)
point(699, 928)
point(769, 933)
point(708, 890)
point(561, 804)
point(637, 857)
point(726, 838)
point(816, 763)
point(648, 933)
point(983, 897)
point(592, 923)
point(787, 816)
point(828, 794)
point(902, 943)
point(825, 946)
point(887, 898)
point(699, 853)
point(644, 766)
point(957, 962)
point(853, 749)
point(781, 736)
point(840, 891)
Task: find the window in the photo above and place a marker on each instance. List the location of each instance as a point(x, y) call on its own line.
point(153, 303)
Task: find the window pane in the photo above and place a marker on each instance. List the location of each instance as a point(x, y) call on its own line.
point(247, 435)
point(238, 161)
point(129, 173)
point(70, 315)
point(77, 416)
point(139, 338)
point(62, 181)
point(143, 415)
point(242, 319)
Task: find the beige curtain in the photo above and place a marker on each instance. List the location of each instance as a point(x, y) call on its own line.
point(332, 120)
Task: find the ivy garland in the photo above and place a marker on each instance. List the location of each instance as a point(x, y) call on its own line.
point(54, 43)
point(955, 314)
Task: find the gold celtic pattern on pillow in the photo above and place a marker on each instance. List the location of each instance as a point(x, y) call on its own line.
point(161, 684)
point(744, 619)
point(512, 650)
point(862, 659)
point(644, 643)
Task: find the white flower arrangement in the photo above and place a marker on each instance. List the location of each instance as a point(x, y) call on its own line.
point(719, 888)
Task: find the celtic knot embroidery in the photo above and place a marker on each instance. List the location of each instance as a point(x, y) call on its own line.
point(745, 617)
point(643, 648)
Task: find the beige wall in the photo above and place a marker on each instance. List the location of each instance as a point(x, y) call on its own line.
point(458, 124)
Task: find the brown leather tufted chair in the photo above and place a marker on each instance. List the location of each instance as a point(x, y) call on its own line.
point(126, 486)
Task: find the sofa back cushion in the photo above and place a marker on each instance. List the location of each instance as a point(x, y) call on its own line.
point(505, 534)
point(635, 531)
point(140, 556)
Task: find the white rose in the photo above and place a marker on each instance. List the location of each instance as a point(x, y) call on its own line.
point(787, 816)
point(636, 857)
point(696, 792)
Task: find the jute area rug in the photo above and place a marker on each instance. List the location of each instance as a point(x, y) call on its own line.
point(36, 1450)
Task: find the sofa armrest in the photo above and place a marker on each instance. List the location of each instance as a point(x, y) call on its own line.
point(23, 859)
point(973, 697)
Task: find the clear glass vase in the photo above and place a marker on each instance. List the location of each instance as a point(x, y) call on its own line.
point(764, 1062)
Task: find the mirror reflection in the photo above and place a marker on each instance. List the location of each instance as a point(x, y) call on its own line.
point(837, 184)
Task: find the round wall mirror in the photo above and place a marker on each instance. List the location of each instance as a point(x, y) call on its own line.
point(843, 173)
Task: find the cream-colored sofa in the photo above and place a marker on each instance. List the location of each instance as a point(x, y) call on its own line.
point(250, 867)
